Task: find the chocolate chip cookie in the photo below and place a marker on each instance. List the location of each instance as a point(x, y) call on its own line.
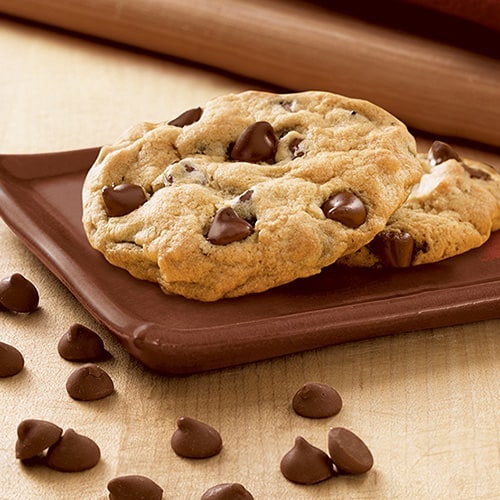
point(249, 192)
point(454, 208)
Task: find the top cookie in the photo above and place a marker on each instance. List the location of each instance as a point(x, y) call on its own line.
point(454, 208)
point(252, 191)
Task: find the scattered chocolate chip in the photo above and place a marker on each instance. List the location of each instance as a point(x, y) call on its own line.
point(439, 152)
point(353, 112)
point(187, 118)
point(11, 360)
point(294, 148)
point(348, 452)
point(306, 464)
point(393, 248)
point(227, 491)
point(345, 207)
point(476, 173)
point(89, 383)
point(195, 439)
point(288, 105)
point(315, 400)
point(189, 168)
point(80, 343)
point(246, 196)
point(17, 294)
point(255, 144)
point(73, 453)
point(134, 487)
point(122, 199)
point(228, 227)
point(35, 436)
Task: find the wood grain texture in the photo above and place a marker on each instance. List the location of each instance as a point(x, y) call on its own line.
point(425, 402)
point(299, 45)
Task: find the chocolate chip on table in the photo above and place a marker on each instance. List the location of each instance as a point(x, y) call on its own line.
point(80, 343)
point(393, 248)
point(187, 118)
point(134, 487)
point(195, 439)
point(348, 452)
point(11, 360)
point(73, 453)
point(345, 207)
point(439, 152)
point(89, 383)
point(227, 491)
point(228, 227)
point(255, 144)
point(35, 436)
point(306, 464)
point(17, 294)
point(122, 199)
point(315, 400)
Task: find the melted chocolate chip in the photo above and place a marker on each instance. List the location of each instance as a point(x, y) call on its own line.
point(476, 173)
point(227, 491)
point(187, 118)
point(294, 148)
point(34, 436)
point(345, 207)
point(195, 439)
point(306, 464)
point(348, 452)
point(122, 199)
point(228, 227)
point(255, 144)
point(246, 196)
point(440, 152)
point(73, 453)
point(316, 400)
point(393, 248)
point(80, 343)
point(89, 383)
point(11, 360)
point(134, 487)
point(17, 294)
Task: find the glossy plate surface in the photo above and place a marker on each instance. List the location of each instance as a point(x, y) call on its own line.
point(40, 200)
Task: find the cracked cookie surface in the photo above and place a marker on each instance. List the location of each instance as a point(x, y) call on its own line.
point(251, 191)
point(454, 208)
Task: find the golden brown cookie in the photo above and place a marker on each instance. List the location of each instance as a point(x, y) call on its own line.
point(454, 208)
point(252, 191)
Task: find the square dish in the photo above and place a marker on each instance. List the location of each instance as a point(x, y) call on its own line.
point(40, 200)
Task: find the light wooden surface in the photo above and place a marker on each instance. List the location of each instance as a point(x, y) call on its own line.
point(426, 403)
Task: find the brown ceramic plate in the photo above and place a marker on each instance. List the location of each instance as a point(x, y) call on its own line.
point(40, 201)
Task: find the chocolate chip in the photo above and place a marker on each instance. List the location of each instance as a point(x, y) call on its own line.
point(228, 227)
point(393, 248)
point(35, 436)
point(11, 360)
point(122, 199)
point(294, 148)
point(246, 196)
point(227, 491)
point(73, 453)
point(195, 439)
point(345, 207)
point(17, 294)
point(288, 105)
point(476, 173)
point(187, 118)
point(134, 487)
point(439, 152)
point(255, 144)
point(89, 383)
point(348, 452)
point(306, 464)
point(315, 400)
point(80, 343)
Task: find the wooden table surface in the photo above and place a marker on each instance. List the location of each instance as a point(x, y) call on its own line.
point(425, 402)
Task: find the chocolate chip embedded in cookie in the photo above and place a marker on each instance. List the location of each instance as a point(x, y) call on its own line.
point(454, 208)
point(251, 191)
